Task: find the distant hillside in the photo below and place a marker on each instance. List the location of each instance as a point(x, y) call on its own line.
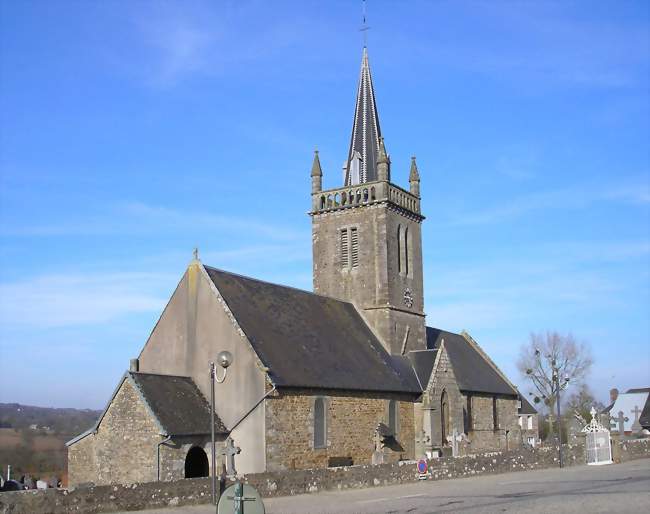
point(32, 439)
point(58, 421)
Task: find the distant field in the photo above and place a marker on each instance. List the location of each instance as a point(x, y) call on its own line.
point(11, 438)
point(41, 452)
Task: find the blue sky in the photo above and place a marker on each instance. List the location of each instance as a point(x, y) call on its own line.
point(131, 132)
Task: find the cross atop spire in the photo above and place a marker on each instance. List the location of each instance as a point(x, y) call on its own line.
point(361, 164)
point(364, 28)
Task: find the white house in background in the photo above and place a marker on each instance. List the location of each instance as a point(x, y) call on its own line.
point(528, 420)
point(633, 403)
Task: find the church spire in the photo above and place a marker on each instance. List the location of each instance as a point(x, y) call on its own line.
point(361, 164)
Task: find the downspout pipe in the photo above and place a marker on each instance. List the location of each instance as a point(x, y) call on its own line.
point(158, 454)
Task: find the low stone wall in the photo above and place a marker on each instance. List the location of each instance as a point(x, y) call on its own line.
point(98, 499)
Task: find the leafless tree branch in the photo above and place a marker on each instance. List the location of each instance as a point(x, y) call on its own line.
point(544, 351)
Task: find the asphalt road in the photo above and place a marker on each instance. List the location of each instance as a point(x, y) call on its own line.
point(619, 488)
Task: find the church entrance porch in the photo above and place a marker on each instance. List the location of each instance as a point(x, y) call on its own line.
point(196, 463)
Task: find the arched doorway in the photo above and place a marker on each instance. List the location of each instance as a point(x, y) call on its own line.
point(196, 463)
point(444, 417)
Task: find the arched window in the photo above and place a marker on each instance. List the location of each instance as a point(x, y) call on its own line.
point(406, 251)
point(196, 463)
point(320, 424)
point(399, 248)
point(393, 414)
point(444, 417)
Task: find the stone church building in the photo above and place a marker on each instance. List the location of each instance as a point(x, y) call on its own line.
point(347, 374)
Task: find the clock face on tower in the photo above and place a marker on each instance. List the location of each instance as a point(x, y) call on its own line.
point(408, 298)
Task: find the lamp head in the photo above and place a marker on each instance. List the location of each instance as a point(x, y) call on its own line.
point(224, 359)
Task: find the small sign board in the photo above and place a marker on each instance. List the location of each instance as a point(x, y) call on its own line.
point(423, 469)
point(240, 499)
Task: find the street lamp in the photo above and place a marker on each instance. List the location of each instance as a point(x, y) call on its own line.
point(224, 359)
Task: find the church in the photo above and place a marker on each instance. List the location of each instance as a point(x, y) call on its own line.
point(347, 374)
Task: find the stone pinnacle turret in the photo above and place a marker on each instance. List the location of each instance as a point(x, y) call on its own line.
point(316, 174)
point(414, 178)
point(383, 163)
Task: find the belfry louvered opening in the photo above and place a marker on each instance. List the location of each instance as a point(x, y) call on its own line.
point(354, 241)
point(349, 247)
point(345, 249)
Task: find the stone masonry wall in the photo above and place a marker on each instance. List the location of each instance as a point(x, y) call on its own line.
point(81, 461)
point(124, 449)
point(351, 419)
point(443, 380)
point(483, 434)
point(529, 432)
point(197, 491)
point(375, 286)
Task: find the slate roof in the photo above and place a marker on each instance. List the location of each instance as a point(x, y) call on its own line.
point(526, 406)
point(177, 403)
point(308, 340)
point(422, 362)
point(366, 131)
point(473, 372)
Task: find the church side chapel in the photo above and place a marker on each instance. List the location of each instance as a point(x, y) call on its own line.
point(346, 374)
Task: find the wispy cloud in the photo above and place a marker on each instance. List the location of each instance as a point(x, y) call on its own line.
point(558, 200)
point(141, 218)
point(177, 219)
point(518, 162)
point(210, 39)
point(182, 48)
point(553, 279)
point(60, 300)
point(557, 45)
point(467, 314)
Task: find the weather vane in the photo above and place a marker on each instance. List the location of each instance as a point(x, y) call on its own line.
point(364, 27)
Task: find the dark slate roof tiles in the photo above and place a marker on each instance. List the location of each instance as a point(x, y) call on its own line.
point(526, 407)
point(422, 362)
point(473, 372)
point(366, 132)
point(308, 340)
point(177, 404)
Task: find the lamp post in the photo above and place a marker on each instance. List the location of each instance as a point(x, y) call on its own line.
point(556, 386)
point(224, 359)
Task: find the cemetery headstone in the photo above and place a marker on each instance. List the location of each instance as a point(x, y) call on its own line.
point(636, 426)
point(230, 450)
point(621, 423)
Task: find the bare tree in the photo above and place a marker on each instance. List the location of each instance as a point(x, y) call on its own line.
point(552, 361)
point(580, 403)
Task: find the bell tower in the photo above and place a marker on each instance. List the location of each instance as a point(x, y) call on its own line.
point(367, 243)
